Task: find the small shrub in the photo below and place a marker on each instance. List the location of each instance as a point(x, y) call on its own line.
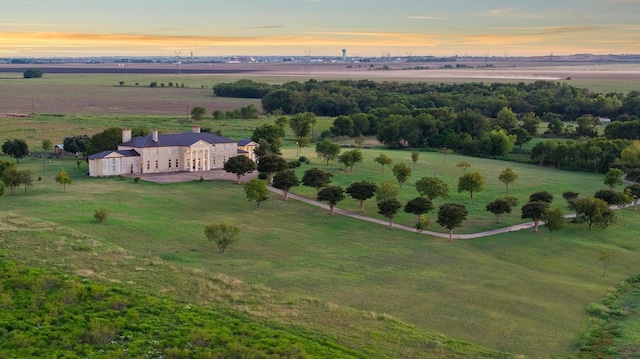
point(100, 215)
point(304, 159)
point(263, 176)
point(99, 332)
point(201, 179)
point(137, 83)
point(153, 84)
point(136, 179)
point(33, 74)
point(39, 178)
point(83, 247)
point(294, 164)
point(121, 83)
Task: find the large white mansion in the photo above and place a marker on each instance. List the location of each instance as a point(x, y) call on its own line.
point(160, 153)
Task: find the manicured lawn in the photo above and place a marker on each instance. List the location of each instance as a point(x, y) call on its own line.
point(517, 292)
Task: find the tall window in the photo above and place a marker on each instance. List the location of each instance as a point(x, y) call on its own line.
point(156, 164)
point(148, 165)
point(169, 163)
point(177, 163)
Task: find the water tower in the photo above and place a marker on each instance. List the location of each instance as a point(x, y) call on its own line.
point(344, 54)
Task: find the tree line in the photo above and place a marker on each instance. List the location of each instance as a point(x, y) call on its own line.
point(346, 97)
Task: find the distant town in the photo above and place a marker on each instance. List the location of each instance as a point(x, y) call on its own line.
point(343, 58)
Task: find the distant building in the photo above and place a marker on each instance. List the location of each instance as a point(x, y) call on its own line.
point(157, 153)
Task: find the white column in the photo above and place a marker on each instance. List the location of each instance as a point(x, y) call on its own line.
point(190, 161)
point(208, 160)
point(197, 156)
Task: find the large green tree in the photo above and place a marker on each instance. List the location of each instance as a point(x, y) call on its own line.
point(451, 216)
point(553, 220)
point(302, 124)
point(284, 180)
point(256, 191)
point(350, 158)
point(362, 191)
point(11, 178)
point(332, 195)
point(106, 140)
point(535, 212)
point(316, 178)
point(613, 178)
point(388, 208)
point(271, 164)
point(272, 134)
point(432, 187)
point(198, 112)
point(77, 144)
point(387, 189)
point(33, 74)
point(239, 165)
point(402, 172)
point(16, 148)
point(541, 196)
point(499, 207)
point(594, 211)
point(471, 182)
point(418, 206)
point(327, 150)
point(383, 160)
point(508, 176)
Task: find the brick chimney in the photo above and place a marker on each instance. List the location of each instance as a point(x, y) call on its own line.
point(155, 135)
point(126, 135)
point(195, 129)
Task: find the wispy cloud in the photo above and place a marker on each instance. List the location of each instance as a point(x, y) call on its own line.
point(501, 12)
point(421, 17)
point(267, 27)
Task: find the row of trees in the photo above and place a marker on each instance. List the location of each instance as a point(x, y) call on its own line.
point(590, 210)
point(591, 154)
point(345, 97)
point(14, 178)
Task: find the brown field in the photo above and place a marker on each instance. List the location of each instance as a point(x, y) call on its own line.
point(94, 89)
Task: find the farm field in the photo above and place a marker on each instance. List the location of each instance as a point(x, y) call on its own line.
point(363, 285)
point(99, 92)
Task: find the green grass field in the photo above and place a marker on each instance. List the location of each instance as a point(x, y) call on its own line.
point(517, 292)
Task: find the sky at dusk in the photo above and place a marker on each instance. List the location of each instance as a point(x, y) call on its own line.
point(30, 28)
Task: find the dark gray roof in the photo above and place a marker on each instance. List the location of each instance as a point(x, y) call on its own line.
point(125, 153)
point(178, 139)
point(244, 142)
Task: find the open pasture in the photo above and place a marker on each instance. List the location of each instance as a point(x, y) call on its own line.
point(95, 89)
point(517, 292)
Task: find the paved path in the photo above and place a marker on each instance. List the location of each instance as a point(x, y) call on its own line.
point(517, 227)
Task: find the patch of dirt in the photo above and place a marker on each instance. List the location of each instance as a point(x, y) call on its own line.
point(175, 177)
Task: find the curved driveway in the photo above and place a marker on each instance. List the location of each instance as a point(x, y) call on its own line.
point(516, 227)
